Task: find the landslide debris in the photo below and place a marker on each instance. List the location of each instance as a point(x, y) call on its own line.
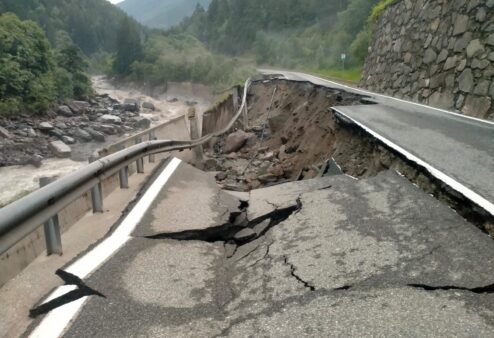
point(290, 136)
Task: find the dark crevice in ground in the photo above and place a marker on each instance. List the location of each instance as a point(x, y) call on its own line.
point(231, 232)
point(82, 291)
point(479, 290)
point(297, 277)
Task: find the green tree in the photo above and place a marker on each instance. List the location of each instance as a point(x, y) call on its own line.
point(26, 66)
point(71, 59)
point(129, 47)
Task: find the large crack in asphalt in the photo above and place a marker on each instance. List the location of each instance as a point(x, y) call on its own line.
point(238, 221)
point(478, 290)
point(82, 291)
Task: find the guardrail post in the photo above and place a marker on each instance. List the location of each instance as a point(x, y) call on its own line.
point(53, 237)
point(123, 176)
point(140, 161)
point(194, 134)
point(96, 193)
point(152, 158)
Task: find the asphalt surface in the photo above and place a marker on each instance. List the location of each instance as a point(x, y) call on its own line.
point(347, 263)
point(458, 146)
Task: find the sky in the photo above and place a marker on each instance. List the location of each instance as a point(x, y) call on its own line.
point(115, 1)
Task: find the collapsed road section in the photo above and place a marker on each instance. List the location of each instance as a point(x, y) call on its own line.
point(303, 224)
point(329, 256)
point(293, 134)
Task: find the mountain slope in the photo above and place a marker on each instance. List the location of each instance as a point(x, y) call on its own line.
point(161, 13)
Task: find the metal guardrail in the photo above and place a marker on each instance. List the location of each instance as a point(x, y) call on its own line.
point(24, 216)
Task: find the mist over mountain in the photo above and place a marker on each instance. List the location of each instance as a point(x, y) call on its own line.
point(161, 13)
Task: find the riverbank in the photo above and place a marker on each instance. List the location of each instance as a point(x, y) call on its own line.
point(118, 111)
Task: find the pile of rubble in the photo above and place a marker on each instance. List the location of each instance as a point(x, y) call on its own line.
point(247, 160)
point(26, 139)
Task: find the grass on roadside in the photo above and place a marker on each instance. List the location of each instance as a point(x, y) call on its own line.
point(351, 75)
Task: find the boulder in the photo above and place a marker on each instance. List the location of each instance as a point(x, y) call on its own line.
point(130, 105)
point(96, 135)
point(57, 133)
point(68, 140)
point(235, 141)
point(268, 156)
point(82, 135)
point(107, 129)
point(64, 111)
point(107, 118)
point(148, 105)
point(78, 107)
point(60, 149)
point(61, 125)
point(45, 126)
point(4, 133)
point(142, 123)
point(35, 160)
point(221, 176)
point(30, 132)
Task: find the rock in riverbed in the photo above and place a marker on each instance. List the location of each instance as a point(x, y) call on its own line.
point(60, 149)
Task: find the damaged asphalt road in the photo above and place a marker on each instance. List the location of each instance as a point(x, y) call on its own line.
point(331, 257)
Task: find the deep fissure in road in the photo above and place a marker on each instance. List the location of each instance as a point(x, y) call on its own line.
point(239, 230)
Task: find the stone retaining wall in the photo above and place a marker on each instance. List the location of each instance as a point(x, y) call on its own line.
point(436, 52)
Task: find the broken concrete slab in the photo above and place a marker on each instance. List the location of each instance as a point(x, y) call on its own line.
point(374, 257)
point(191, 200)
point(265, 200)
point(395, 312)
point(382, 226)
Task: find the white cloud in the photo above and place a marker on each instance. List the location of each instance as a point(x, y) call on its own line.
point(115, 1)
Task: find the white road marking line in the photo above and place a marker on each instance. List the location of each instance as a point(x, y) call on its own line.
point(55, 322)
point(457, 186)
point(368, 93)
point(401, 100)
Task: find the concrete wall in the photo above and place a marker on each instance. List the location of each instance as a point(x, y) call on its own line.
point(437, 52)
point(218, 116)
point(19, 256)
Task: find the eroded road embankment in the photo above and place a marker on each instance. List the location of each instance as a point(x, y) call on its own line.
point(330, 256)
point(293, 135)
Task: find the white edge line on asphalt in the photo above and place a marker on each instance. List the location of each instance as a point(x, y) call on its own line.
point(468, 193)
point(55, 322)
point(368, 93)
point(400, 100)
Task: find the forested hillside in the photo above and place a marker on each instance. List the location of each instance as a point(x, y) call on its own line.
point(161, 13)
point(33, 75)
point(91, 24)
point(290, 33)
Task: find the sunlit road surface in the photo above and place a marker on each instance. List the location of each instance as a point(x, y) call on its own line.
point(457, 149)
